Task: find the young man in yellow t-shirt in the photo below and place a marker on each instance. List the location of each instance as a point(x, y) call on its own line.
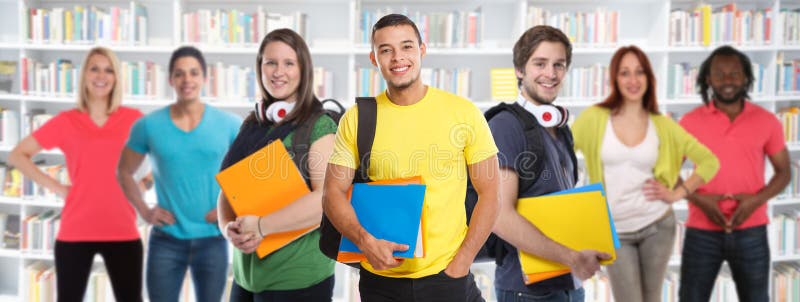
point(423, 131)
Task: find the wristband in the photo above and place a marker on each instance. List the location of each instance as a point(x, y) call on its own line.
point(259, 227)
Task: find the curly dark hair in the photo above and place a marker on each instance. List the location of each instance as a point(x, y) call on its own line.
point(705, 71)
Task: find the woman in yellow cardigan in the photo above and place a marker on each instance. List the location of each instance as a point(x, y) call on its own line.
point(637, 153)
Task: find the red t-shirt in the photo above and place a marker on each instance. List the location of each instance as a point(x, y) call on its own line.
point(741, 147)
point(95, 208)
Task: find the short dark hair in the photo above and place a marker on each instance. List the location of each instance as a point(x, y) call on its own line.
point(394, 20)
point(705, 70)
point(530, 40)
point(187, 51)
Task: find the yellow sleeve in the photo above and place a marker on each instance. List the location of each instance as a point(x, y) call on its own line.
point(345, 150)
point(706, 163)
point(479, 143)
point(578, 129)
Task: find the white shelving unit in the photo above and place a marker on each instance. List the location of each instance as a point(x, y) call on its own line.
point(332, 29)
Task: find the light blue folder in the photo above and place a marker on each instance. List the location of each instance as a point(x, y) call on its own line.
point(595, 187)
point(388, 212)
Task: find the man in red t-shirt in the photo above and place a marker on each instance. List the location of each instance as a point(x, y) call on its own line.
point(728, 215)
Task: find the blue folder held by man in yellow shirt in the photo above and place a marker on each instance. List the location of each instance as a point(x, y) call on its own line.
point(392, 210)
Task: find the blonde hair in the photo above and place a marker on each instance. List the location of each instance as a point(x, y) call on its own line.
point(116, 91)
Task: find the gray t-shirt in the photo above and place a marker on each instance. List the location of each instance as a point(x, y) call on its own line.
point(557, 175)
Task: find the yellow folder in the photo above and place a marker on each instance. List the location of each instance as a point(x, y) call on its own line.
point(262, 183)
point(579, 221)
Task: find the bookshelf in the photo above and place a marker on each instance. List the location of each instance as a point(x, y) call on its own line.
point(335, 34)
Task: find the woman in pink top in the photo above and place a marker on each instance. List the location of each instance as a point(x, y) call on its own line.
point(96, 217)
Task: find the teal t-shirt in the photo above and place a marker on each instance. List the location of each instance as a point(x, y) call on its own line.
point(184, 165)
point(295, 266)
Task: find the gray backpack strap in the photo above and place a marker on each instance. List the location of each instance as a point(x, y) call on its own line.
point(301, 145)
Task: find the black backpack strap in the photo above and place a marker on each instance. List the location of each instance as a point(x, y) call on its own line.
point(567, 134)
point(301, 145)
point(367, 119)
point(530, 165)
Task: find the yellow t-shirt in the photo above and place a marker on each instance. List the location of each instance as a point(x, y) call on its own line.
point(436, 138)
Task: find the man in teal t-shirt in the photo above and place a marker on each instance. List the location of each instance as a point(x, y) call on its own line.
point(186, 142)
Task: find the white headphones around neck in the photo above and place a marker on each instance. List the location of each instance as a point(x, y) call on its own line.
point(275, 112)
point(547, 115)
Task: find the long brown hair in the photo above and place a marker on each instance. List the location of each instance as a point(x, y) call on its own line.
point(614, 100)
point(307, 102)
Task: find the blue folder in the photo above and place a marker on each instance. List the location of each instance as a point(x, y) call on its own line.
point(388, 212)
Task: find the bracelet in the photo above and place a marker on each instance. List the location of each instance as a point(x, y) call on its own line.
point(686, 189)
point(259, 227)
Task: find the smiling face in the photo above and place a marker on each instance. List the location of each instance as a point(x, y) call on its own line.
point(397, 53)
point(187, 78)
point(541, 77)
point(280, 71)
point(100, 77)
point(631, 79)
point(727, 79)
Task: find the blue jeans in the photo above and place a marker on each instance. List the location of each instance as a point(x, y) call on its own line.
point(575, 295)
point(169, 257)
point(747, 254)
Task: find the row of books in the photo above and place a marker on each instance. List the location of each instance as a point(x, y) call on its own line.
point(790, 19)
point(9, 231)
point(786, 283)
point(85, 25)
point(790, 119)
point(438, 29)
point(16, 185)
point(39, 231)
point(784, 231)
point(8, 70)
point(236, 27)
point(41, 279)
point(140, 79)
point(231, 81)
point(146, 79)
point(598, 28)
point(727, 24)
point(682, 77)
point(237, 83)
point(455, 80)
point(787, 75)
point(586, 82)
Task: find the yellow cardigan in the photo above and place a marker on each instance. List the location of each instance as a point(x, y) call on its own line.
point(674, 144)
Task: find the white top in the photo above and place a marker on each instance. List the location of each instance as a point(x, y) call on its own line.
point(625, 170)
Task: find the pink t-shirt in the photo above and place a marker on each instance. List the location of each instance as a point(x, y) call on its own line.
point(95, 207)
point(741, 147)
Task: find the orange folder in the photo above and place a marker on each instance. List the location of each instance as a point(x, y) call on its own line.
point(351, 257)
point(262, 183)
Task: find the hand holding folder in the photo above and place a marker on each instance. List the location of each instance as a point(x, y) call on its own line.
point(391, 210)
point(578, 219)
point(262, 183)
